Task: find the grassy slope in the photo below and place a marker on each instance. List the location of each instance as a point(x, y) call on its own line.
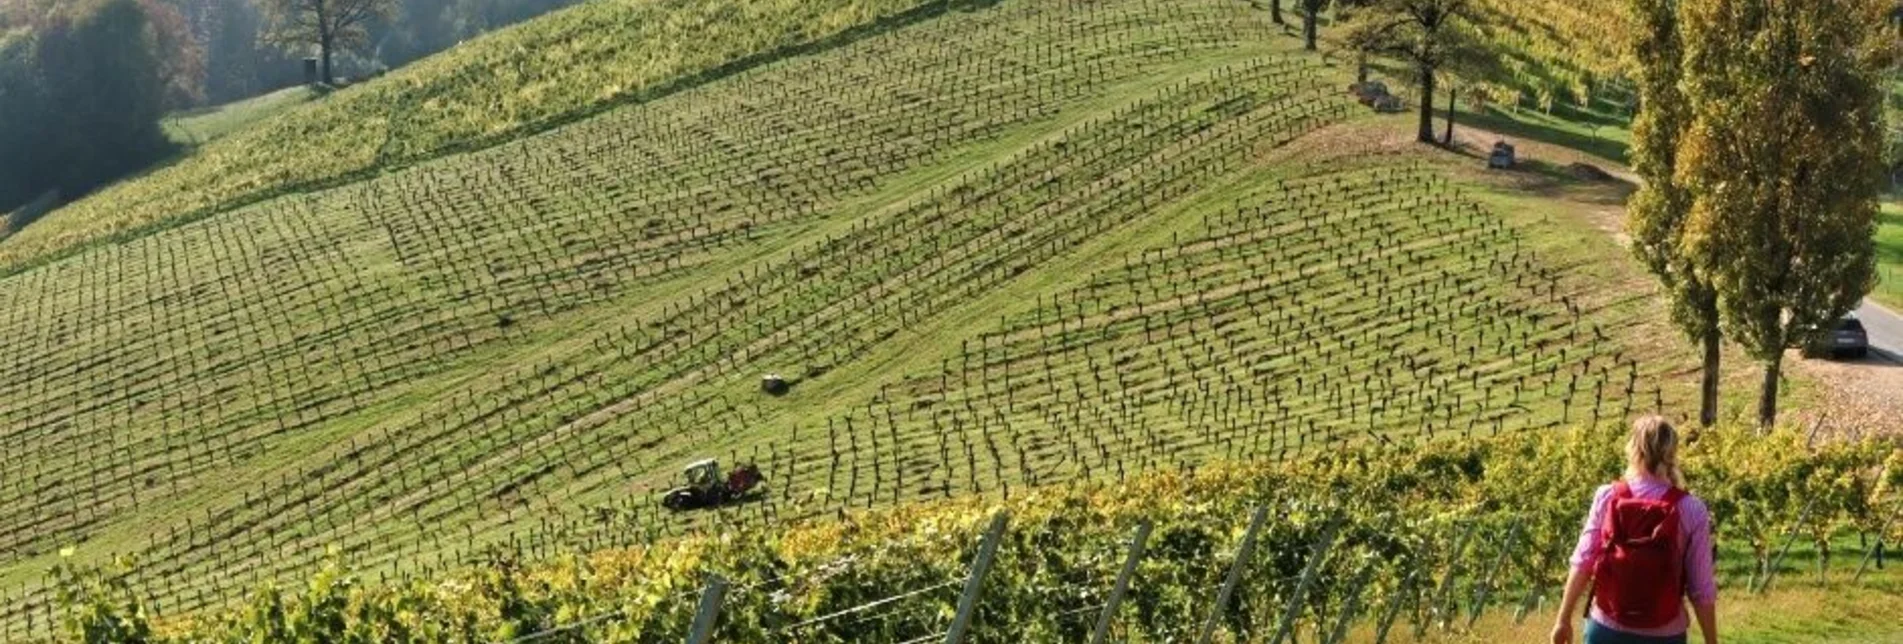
point(198, 127)
point(1890, 255)
point(391, 399)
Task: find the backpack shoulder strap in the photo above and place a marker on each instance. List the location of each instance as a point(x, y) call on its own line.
point(1674, 495)
point(1609, 532)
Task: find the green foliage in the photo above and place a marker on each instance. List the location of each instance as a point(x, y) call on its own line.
point(1400, 511)
point(326, 25)
point(82, 88)
point(1427, 34)
point(1657, 214)
point(1783, 161)
point(98, 606)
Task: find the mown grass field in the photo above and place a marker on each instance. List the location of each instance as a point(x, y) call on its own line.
point(1890, 255)
point(214, 122)
point(197, 127)
point(1013, 244)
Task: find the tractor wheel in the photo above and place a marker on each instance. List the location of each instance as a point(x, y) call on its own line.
point(678, 500)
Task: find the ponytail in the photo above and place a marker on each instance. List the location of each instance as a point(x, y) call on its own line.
point(1653, 449)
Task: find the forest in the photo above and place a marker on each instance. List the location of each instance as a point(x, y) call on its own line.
point(84, 108)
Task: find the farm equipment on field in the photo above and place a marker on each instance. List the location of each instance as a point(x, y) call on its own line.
point(707, 488)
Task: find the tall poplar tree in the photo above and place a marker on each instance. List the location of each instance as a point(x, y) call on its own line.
point(1783, 163)
point(1657, 214)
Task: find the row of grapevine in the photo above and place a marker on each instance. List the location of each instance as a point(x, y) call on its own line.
point(1391, 542)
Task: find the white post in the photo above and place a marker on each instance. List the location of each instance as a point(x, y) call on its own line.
point(1294, 608)
point(1351, 604)
point(1123, 583)
point(709, 612)
point(1486, 586)
point(1440, 608)
point(1802, 518)
point(968, 603)
point(1394, 608)
point(1235, 575)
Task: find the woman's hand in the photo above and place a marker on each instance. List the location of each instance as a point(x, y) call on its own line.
point(1563, 632)
point(1576, 582)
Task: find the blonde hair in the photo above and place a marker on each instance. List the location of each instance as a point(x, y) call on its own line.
point(1653, 449)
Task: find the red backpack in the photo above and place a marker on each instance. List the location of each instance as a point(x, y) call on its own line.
point(1639, 580)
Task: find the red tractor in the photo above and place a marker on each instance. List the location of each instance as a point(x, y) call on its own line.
point(706, 489)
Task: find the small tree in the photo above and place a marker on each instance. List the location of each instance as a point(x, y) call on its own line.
point(1427, 34)
point(1657, 214)
point(326, 24)
point(1783, 162)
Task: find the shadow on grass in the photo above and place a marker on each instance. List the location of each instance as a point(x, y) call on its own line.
point(1568, 126)
point(1552, 180)
point(1554, 134)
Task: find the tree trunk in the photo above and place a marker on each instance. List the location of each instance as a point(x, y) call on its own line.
point(324, 39)
point(326, 64)
point(1767, 395)
point(1308, 30)
point(1426, 134)
point(1708, 398)
point(1453, 108)
point(1361, 68)
point(1275, 11)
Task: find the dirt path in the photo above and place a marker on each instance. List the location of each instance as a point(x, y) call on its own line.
point(1864, 396)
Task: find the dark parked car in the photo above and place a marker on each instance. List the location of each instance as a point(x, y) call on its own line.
point(1847, 339)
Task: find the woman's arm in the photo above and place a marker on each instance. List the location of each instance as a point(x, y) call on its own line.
point(1576, 582)
point(1585, 554)
point(1707, 621)
point(1701, 586)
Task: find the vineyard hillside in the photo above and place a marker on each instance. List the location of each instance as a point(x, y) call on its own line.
point(592, 57)
point(991, 247)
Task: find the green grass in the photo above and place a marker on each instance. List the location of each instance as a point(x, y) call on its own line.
point(198, 127)
point(1890, 255)
point(1799, 607)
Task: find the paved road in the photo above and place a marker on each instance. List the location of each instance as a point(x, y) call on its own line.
point(1885, 328)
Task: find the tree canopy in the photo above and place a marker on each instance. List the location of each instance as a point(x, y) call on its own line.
point(1782, 162)
point(326, 25)
point(1427, 34)
point(1657, 213)
point(83, 85)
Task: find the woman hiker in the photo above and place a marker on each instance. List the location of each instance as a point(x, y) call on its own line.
point(1645, 549)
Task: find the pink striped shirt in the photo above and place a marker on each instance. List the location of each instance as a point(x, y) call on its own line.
point(1694, 523)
